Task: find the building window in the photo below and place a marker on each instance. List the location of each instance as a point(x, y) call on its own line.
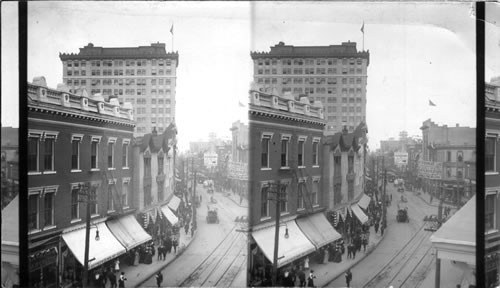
point(350, 164)
point(49, 209)
point(448, 156)
point(264, 207)
point(94, 152)
point(284, 151)
point(147, 167)
point(125, 153)
point(33, 148)
point(283, 198)
point(300, 153)
point(314, 194)
point(265, 151)
point(125, 192)
point(160, 165)
point(33, 212)
point(111, 151)
point(460, 156)
point(489, 158)
point(75, 211)
point(315, 152)
point(75, 152)
point(301, 190)
point(489, 207)
point(111, 200)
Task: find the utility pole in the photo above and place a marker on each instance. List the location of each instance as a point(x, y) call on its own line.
point(385, 197)
point(437, 280)
point(193, 202)
point(276, 237)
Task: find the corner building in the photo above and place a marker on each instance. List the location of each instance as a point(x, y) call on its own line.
point(336, 75)
point(285, 190)
point(145, 76)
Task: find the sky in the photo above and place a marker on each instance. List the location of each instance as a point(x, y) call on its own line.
point(418, 52)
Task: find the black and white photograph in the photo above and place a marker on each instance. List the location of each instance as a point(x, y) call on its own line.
point(250, 144)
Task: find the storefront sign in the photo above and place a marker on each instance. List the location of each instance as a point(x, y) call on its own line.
point(430, 170)
point(238, 170)
point(42, 258)
point(400, 158)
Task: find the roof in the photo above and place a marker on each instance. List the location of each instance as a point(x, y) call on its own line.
point(346, 141)
point(345, 50)
point(155, 141)
point(460, 229)
point(154, 51)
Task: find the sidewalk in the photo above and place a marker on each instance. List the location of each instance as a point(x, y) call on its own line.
point(426, 197)
point(236, 198)
point(325, 273)
point(136, 275)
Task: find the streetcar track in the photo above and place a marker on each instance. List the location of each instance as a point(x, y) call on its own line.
point(415, 244)
point(209, 255)
point(219, 260)
point(237, 256)
point(415, 268)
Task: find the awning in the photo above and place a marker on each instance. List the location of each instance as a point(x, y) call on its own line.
point(178, 179)
point(107, 248)
point(10, 232)
point(368, 178)
point(318, 230)
point(170, 216)
point(364, 201)
point(359, 213)
point(128, 231)
point(174, 203)
point(295, 246)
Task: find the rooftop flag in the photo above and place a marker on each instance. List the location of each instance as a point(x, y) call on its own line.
point(172, 29)
point(363, 27)
point(431, 104)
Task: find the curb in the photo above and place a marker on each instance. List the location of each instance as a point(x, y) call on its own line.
point(426, 202)
point(230, 198)
point(355, 263)
point(149, 275)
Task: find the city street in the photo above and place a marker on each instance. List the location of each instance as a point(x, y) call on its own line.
point(404, 257)
point(217, 255)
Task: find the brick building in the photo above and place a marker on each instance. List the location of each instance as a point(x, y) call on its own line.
point(285, 138)
point(335, 75)
point(77, 145)
point(145, 76)
point(492, 185)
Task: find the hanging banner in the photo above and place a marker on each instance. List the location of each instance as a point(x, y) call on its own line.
point(430, 170)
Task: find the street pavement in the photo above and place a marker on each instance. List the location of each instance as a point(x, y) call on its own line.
point(397, 235)
point(206, 246)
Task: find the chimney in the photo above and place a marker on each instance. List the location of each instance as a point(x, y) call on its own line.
point(154, 132)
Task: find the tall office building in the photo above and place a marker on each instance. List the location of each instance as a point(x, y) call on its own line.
point(336, 75)
point(146, 76)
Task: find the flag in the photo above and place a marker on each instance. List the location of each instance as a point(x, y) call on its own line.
point(241, 104)
point(172, 29)
point(431, 104)
point(363, 27)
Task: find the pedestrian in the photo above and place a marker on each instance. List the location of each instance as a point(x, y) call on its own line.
point(365, 242)
point(136, 258)
point(153, 251)
point(348, 277)
point(159, 278)
point(302, 277)
point(310, 279)
point(121, 281)
point(103, 277)
point(112, 278)
point(117, 265)
point(160, 251)
point(382, 230)
point(353, 248)
point(175, 243)
point(186, 228)
point(376, 227)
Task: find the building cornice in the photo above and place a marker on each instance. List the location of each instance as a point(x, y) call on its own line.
point(276, 114)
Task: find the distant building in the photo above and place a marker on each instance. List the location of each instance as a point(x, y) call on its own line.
point(78, 145)
point(344, 178)
point(237, 169)
point(335, 75)
point(153, 178)
point(285, 167)
point(10, 164)
point(145, 76)
point(492, 185)
point(445, 151)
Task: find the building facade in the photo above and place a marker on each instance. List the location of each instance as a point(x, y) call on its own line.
point(10, 164)
point(237, 168)
point(79, 159)
point(445, 151)
point(492, 185)
point(344, 178)
point(145, 76)
point(335, 75)
point(285, 192)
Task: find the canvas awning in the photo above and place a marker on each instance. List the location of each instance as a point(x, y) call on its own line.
point(10, 232)
point(364, 201)
point(169, 215)
point(456, 238)
point(128, 231)
point(174, 203)
point(295, 246)
point(318, 230)
point(359, 214)
point(107, 248)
